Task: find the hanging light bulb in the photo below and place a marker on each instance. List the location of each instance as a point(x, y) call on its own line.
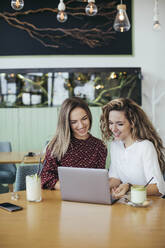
point(121, 23)
point(91, 8)
point(62, 15)
point(156, 23)
point(17, 4)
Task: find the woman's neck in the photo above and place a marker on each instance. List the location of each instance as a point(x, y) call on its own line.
point(128, 142)
point(83, 137)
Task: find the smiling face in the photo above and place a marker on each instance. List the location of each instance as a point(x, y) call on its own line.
point(120, 127)
point(80, 123)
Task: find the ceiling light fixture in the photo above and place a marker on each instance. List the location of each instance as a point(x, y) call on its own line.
point(121, 23)
point(156, 23)
point(62, 15)
point(17, 4)
point(91, 8)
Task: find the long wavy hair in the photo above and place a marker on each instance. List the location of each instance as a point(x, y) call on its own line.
point(60, 142)
point(142, 127)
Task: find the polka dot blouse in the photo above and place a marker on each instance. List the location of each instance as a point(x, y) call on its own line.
point(89, 153)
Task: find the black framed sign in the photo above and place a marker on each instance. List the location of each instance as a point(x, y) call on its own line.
point(45, 87)
point(34, 30)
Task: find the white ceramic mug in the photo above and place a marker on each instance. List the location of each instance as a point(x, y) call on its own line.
point(33, 188)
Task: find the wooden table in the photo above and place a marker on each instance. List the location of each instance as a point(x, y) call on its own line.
point(59, 224)
point(18, 158)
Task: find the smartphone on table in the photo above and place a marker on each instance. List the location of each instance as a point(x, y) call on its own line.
point(10, 207)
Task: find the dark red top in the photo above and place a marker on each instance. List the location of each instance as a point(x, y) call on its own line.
point(89, 153)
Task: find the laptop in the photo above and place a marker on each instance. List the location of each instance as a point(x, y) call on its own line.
point(85, 185)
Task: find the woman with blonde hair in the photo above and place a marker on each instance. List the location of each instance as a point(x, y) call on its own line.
point(137, 152)
point(72, 145)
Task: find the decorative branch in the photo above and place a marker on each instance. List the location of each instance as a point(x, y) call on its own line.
point(123, 83)
point(91, 35)
point(38, 85)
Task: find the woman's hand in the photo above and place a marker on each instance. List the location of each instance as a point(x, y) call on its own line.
point(114, 183)
point(120, 191)
point(57, 185)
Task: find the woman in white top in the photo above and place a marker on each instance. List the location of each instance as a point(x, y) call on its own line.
point(137, 152)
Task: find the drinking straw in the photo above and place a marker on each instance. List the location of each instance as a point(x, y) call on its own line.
point(40, 167)
point(148, 182)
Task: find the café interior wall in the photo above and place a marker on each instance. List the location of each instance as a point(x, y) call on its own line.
point(30, 128)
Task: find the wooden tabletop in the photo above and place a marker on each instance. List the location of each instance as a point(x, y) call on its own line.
point(61, 224)
point(11, 157)
point(18, 157)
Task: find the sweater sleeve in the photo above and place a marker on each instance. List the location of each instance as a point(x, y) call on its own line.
point(102, 155)
point(49, 174)
point(151, 166)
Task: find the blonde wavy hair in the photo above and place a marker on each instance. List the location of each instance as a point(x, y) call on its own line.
point(60, 142)
point(142, 127)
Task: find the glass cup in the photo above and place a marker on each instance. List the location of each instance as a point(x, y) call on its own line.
point(33, 188)
point(138, 194)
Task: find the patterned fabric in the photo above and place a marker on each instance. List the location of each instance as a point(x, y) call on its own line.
point(89, 153)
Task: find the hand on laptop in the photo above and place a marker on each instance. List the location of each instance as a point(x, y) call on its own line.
point(120, 191)
point(57, 185)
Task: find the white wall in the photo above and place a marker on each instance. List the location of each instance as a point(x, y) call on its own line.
point(149, 54)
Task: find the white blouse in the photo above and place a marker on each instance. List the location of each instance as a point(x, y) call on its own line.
point(136, 164)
